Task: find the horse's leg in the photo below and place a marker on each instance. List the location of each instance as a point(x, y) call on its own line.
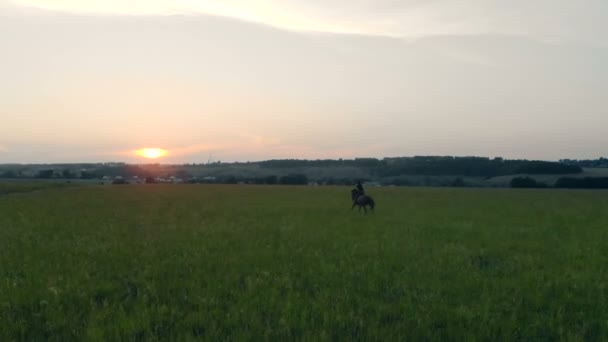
point(353, 207)
point(365, 209)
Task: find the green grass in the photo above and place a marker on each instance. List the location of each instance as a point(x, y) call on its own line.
point(182, 262)
point(25, 186)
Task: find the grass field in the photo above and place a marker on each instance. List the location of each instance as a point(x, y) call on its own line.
point(27, 186)
point(182, 262)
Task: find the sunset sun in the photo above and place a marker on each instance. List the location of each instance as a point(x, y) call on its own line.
point(151, 153)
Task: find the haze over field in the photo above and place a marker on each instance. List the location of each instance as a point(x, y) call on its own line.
point(93, 80)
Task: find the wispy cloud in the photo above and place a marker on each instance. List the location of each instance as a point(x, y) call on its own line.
point(101, 86)
point(544, 19)
point(272, 13)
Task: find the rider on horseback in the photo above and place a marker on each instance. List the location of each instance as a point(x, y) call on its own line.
point(357, 191)
point(361, 199)
point(360, 188)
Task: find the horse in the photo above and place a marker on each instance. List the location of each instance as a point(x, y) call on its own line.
point(362, 200)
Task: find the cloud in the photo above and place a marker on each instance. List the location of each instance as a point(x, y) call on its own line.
point(3, 148)
point(201, 85)
point(270, 13)
point(549, 20)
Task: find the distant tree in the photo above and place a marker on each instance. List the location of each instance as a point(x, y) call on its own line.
point(67, 173)
point(582, 183)
point(601, 162)
point(45, 174)
point(542, 167)
point(467, 166)
point(367, 162)
point(567, 183)
point(229, 180)
point(345, 181)
point(256, 180)
point(150, 180)
point(330, 181)
point(183, 174)
point(525, 182)
point(294, 179)
point(459, 183)
point(271, 180)
point(8, 174)
point(87, 175)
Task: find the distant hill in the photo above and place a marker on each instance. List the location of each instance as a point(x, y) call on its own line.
point(412, 171)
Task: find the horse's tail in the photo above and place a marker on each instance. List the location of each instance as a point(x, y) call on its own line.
point(372, 204)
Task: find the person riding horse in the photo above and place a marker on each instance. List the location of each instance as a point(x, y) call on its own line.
point(361, 199)
point(359, 187)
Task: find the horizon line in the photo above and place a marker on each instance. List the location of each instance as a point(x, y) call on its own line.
point(295, 159)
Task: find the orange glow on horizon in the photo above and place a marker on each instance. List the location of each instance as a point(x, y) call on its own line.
point(151, 153)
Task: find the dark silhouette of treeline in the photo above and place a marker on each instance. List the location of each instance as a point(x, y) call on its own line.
point(401, 171)
point(562, 183)
point(291, 179)
point(436, 166)
point(582, 183)
point(527, 182)
point(601, 162)
point(387, 167)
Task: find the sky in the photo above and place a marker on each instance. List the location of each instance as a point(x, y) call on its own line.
point(245, 80)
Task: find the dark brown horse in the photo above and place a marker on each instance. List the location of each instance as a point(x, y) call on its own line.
point(362, 200)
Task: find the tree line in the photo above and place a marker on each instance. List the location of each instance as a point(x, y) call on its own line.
point(408, 171)
point(435, 166)
point(562, 183)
